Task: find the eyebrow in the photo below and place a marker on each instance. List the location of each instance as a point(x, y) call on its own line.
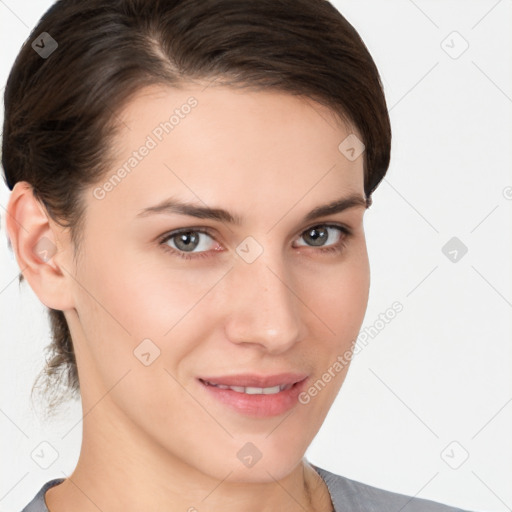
point(172, 206)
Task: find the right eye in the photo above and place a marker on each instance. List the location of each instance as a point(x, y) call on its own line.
point(184, 242)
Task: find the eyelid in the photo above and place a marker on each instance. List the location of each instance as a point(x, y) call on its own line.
point(330, 224)
point(175, 232)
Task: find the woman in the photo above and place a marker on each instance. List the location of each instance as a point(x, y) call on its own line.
point(189, 180)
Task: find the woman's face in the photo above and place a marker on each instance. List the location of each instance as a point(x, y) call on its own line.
point(250, 297)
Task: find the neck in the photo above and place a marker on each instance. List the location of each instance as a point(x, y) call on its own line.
point(121, 470)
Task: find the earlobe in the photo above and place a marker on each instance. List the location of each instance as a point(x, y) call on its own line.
point(37, 247)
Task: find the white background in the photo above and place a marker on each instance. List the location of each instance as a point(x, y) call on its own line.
point(440, 372)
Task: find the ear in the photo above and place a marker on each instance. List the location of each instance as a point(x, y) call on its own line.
point(41, 247)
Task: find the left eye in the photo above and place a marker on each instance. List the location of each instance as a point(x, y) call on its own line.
point(318, 236)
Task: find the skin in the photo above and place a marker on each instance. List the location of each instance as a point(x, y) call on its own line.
point(152, 433)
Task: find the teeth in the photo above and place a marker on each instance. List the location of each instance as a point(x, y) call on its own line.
point(252, 390)
point(270, 391)
point(262, 391)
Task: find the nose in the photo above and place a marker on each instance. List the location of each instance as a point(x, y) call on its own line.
point(263, 308)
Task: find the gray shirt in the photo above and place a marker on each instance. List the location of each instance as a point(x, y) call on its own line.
point(346, 495)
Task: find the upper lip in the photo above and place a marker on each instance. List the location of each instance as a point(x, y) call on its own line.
point(256, 381)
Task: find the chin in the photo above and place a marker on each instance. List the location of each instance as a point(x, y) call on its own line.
point(264, 460)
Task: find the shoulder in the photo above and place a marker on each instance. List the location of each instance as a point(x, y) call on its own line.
point(38, 504)
point(356, 496)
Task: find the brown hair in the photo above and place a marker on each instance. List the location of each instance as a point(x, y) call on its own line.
point(60, 109)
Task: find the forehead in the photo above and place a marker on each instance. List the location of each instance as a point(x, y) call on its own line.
point(253, 149)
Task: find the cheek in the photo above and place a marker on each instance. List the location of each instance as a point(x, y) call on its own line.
point(132, 313)
point(338, 294)
point(143, 293)
point(123, 302)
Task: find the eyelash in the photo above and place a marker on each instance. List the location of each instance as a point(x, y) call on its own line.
point(338, 247)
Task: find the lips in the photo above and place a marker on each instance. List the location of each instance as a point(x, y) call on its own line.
point(252, 390)
point(283, 380)
point(256, 395)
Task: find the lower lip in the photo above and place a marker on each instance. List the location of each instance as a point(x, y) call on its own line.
point(260, 405)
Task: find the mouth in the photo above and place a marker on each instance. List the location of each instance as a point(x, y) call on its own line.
point(253, 395)
point(251, 390)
